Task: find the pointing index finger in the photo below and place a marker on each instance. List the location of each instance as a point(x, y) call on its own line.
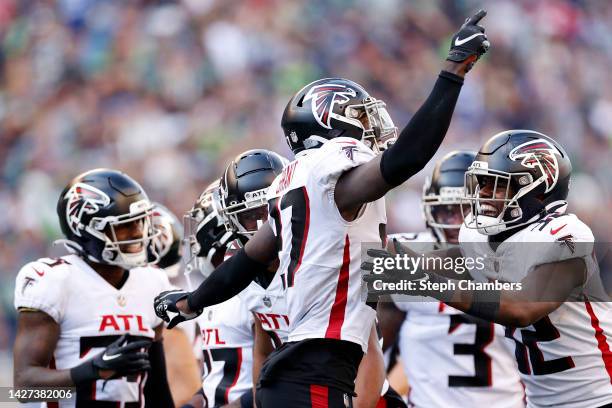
point(476, 17)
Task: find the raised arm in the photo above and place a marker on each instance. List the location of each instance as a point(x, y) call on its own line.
point(422, 136)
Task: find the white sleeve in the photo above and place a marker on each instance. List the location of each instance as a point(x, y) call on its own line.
point(336, 157)
point(572, 239)
point(42, 288)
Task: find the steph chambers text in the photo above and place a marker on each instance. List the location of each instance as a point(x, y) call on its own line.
point(407, 286)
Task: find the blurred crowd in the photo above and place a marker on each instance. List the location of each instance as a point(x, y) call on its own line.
point(169, 91)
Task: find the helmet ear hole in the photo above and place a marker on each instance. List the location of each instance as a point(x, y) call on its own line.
point(107, 255)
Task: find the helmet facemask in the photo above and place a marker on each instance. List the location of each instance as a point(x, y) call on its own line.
point(163, 242)
point(497, 209)
point(443, 212)
point(166, 247)
point(247, 216)
point(119, 247)
point(204, 222)
point(379, 131)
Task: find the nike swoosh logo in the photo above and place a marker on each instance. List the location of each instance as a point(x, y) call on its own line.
point(107, 357)
point(554, 231)
point(466, 39)
point(39, 273)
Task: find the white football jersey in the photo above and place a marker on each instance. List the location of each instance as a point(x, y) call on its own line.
point(564, 359)
point(226, 336)
point(92, 314)
point(269, 307)
point(452, 359)
point(320, 252)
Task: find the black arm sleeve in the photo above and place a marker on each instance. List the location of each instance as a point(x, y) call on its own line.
point(225, 282)
point(420, 139)
point(157, 391)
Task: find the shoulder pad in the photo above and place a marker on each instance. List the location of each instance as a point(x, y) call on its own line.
point(558, 227)
point(42, 285)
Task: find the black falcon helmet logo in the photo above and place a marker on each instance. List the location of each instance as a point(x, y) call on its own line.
point(83, 199)
point(540, 154)
point(324, 97)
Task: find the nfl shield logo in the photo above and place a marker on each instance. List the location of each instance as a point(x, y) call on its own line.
point(121, 300)
point(267, 301)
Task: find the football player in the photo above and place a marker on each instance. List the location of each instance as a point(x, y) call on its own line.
point(222, 220)
point(213, 224)
point(269, 307)
point(83, 318)
point(450, 358)
point(322, 207)
point(557, 316)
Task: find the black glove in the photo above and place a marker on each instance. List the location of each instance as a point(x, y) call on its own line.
point(396, 275)
point(210, 238)
point(122, 358)
point(165, 307)
point(469, 42)
point(390, 274)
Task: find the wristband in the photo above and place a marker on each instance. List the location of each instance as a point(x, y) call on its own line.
point(485, 304)
point(84, 372)
point(451, 77)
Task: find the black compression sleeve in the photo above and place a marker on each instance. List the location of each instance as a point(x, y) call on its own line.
point(420, 139)
point(225, 282)
point(157, 391)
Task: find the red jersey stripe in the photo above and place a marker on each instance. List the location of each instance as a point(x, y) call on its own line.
point(336, 316)
point(602, 342)
point(319, 396)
